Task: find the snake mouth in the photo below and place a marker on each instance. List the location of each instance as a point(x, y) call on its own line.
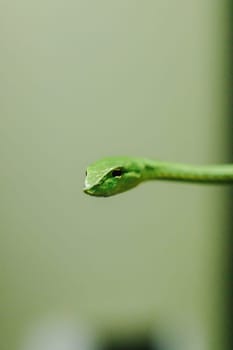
point(91, 191)
point(88, 190)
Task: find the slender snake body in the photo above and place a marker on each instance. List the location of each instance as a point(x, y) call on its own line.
point(113, 175)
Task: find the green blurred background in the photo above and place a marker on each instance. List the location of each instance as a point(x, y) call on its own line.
point(85, 79)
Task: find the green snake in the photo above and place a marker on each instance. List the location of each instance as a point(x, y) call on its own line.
point(113, 175)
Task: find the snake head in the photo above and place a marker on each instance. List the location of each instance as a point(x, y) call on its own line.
point(111, 176)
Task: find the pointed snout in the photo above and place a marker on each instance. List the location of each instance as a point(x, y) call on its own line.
point(88, 190)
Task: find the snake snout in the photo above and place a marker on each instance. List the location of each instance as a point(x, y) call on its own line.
point(87, 190)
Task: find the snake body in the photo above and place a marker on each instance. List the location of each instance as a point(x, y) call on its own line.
point(113, 175)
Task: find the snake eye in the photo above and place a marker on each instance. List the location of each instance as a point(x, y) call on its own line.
point(117, 172)
point(86, 173)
